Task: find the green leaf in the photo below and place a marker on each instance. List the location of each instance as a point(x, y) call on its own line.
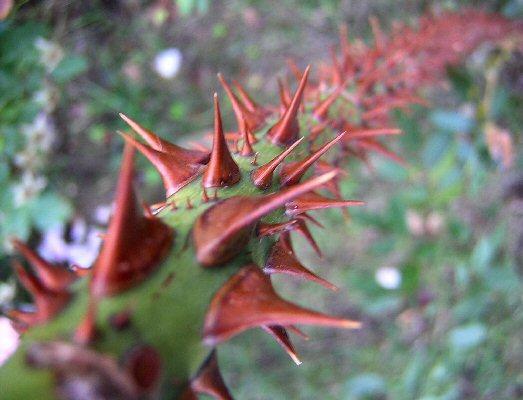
point(69, 68)
point(437, 146)
point(366, 386)
point(391, 171)
point(467, 337)
point(410, 277)
point(461, 80)
point(451, 121)
point(16, 223)
point(185, 7)
point(49, 210)
point(483, 254)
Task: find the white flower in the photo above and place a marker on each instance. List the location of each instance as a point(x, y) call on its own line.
point(7, 292)
point(103, 213)
point(28, 188)
point(167, 63)
point(47, 97)
point(81, 250)
point(40, 133)
point(8, 339)
point(53, 246)
point(388, 277)
point(414, 222)
point(50, 53)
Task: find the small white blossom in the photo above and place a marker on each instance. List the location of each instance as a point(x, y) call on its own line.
point(28, 188)
point(9, 339)
point(50, 53)
point(167, 63)
point(7, 292)
point(102, 213)
point(388, 277)
point(414, 222)
point(47, 97)
point(40, 133)
point(28, 158)
point(81, 250)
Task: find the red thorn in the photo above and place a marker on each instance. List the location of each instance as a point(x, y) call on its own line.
point(222, 231)
point(285, 96)
point(205, 197)
point(321, 110)
point(282, 260)
point(222, 170)
point(159, 144)
point(291, 174)
point(53, 277)
point(247, 149)
point(87, 331)
point(293, 67)
point(199, 147)
point(48, 303)
point(253, 120)
point(147, 210)
point(313, 220)
point(157, 207)
point(376, 146)
point(209, 380)
point(344, 43)
point(333, 186)
point(298, 332)
point(248, 300)
point(314, 201)
point(280, 334)
point(369, 133)
point(274, 229)
point(144, 364)
point(134, 245)
point(302, 229)
point(379, 38)
point(262, 176)
point(175, 173)
point(337, 70)
point(79, 271)
point(317, 130)
point(286, 130)
point(250, 104)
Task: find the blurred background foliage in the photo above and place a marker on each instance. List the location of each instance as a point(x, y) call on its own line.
point(433, 262)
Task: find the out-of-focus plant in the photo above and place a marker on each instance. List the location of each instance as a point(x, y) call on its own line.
point(32, 71)
point(211, 223)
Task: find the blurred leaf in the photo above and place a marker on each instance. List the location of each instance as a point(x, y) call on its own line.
point(16, 223)
point(49, 209)
point(470, 308)
point(513, 9)
point(219, 31)
point(451, 121)
point(415, 373)
point(410, 277)
point(178, 110)
point(365, 386)
point(391, 171)
point(467, 337)
point(461, 80)
point(97, 133)
point(435, 147)
point(482, 254)
point(383, 305)
point(69, 68)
